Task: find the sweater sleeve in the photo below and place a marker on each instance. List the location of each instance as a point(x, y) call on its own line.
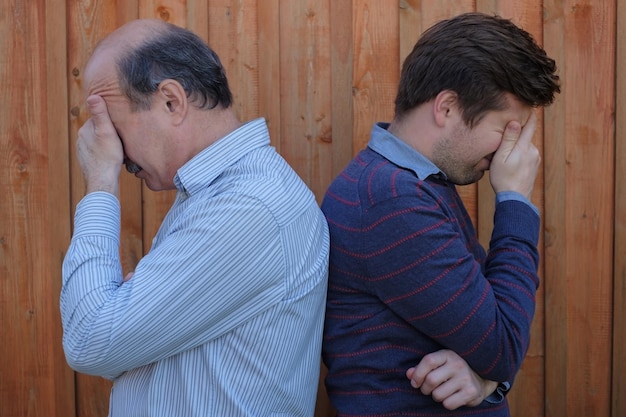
point(423, 261)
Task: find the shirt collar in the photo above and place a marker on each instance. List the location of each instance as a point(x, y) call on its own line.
point(211, 162)
point(400, 153)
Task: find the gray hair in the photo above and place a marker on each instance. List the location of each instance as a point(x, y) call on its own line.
point(177, 54)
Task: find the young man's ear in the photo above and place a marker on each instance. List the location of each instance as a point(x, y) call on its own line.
point(173, 99)
point(445, 106)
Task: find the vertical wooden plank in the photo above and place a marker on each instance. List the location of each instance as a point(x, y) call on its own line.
point(341, 61)
point(418, 15)
point(28, 308)
point(126, 10)
point(527, 396)
point(579, 222)
point(59, 209)
point(555, 264)
point(233, 34)
point(376, 65)
point(306, 90)
point(268, 13)
point(198, 17)
point(172, 11)
point(619, 274)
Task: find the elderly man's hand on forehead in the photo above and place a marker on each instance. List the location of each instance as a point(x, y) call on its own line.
point(99, 149)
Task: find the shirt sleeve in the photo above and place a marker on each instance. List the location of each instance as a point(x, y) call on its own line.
point(427, 267)
point(513, 195)
point(499, 394)
point(219, 265)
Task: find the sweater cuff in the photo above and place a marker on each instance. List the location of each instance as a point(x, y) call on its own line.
point(515, 218)
point(513, 195)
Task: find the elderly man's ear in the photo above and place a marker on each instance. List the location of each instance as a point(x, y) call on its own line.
point(172, 98)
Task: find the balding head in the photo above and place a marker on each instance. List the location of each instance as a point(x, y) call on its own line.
point(101, 70)
point(166, 94)
point(147, 51)
point(131, 35)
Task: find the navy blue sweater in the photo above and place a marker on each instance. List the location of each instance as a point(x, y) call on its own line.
point(408, 277)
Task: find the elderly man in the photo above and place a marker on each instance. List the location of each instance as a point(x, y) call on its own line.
point(224, 315)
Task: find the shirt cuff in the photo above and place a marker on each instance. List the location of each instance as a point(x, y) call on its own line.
point(98, 213)
point(498, 395)
point(514, 195)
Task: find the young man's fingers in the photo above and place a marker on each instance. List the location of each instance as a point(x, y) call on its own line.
point(529, 129)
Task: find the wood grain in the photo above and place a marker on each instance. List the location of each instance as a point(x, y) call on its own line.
point(376, 65)
point(58, 231)
point(30, 376)
point(268, 13)
point(305, 84)
point(233, 27)
point(321, 72)
point(342, 68)
point(619, 275)
point(579, 242)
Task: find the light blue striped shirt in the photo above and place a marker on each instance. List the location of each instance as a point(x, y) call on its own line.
point(224, 315)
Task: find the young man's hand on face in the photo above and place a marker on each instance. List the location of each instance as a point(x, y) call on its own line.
point(514, 165)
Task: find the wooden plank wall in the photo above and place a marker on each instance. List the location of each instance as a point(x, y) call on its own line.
point(321, 72)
